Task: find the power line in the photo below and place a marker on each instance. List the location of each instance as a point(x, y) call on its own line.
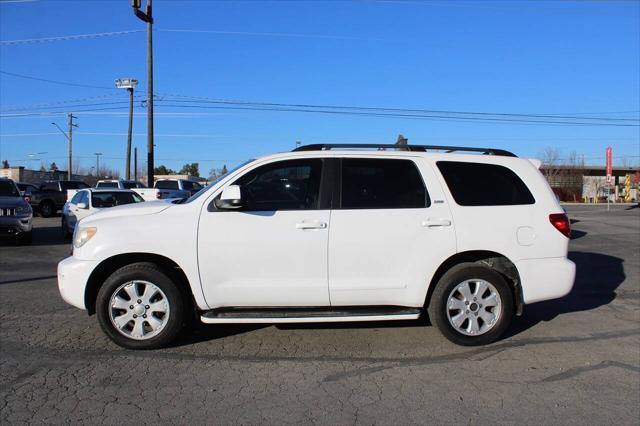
point(55, 103)
point(409, 116)
point(66, 38)
point(64, 83)
point(251, 103)
point(404, 113)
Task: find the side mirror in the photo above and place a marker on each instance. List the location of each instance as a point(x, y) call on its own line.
point(230, 199)
point(82, 206)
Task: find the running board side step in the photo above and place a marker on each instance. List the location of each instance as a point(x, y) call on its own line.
point(298, 315)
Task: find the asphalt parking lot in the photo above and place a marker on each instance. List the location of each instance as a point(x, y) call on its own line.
point(570, 361)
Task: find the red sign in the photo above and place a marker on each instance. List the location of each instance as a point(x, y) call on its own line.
point(609, 164)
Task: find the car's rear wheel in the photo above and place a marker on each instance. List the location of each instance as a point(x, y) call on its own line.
point(471, 305)
point(47, 209)
point(140, 307)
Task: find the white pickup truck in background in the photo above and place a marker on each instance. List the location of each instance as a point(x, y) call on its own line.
point(162, 190)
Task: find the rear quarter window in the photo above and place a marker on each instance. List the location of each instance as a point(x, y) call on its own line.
point(478, 184)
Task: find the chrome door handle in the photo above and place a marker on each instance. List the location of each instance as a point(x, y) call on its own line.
point(432, 223)
point(311, 225)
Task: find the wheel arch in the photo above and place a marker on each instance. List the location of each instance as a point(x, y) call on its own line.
point(112, 264)
point(493, 260)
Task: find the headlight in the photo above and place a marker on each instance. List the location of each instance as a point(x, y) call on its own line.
point(82, 235)
point(23, 210)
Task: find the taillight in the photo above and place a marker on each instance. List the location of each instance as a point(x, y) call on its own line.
point(560, 221)
point(158, 195)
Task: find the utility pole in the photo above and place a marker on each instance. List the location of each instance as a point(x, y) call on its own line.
point(129, 84)
point(69, 137)
point(97, 154)
point(135, 164)
point(71, 126)
point(147, 17)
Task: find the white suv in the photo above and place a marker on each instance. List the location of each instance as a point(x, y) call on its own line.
point(330, 233)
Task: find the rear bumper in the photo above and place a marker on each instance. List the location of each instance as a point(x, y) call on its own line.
point(545, 279)
point(12, 226)
point(73, 275)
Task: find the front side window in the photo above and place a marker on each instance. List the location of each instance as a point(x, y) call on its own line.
point(285, 185)
point(382, 184)
point(478, 184)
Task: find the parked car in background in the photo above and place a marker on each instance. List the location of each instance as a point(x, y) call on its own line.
point(119, 183)
point(16, 214)
point(88, 201)
point(162, 190)
point(51, 196)
point(330, 233)
point(176, 188)
point(26, 189)
point(147, 194)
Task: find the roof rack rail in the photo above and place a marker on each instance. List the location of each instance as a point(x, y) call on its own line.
point(415, 148)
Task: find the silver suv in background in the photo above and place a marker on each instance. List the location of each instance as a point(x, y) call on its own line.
point(16, 214)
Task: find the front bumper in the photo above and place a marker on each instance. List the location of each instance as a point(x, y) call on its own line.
point(11, 226)
point(545, 279)
point(73, 275)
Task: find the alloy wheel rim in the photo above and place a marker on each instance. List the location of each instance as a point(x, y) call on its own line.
point(139, 310)
point(474, 307)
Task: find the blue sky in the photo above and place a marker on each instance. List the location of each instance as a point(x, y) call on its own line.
point(544, 57)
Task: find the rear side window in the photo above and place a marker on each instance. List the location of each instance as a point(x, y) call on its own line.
point(477, 184)
point(167, 184)
point(382, 184)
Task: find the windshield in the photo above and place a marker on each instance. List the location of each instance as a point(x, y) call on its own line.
point(216, 180)
point(8, 189)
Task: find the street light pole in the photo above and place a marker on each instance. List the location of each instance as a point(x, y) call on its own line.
point(129, 84)
point(148, 18)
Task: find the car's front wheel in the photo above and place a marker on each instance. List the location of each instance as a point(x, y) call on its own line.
point(140, 307)
point(471, 305)
point(47, 209)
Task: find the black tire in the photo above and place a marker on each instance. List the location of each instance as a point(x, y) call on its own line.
point(47, 209)
point(150, 272)
point(437, 308)
point(26, 238)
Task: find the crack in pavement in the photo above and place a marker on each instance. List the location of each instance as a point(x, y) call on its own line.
point(468, 355)
point(581, 370)
point(65, 357)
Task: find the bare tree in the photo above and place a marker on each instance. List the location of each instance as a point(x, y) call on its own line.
point(551, 162)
